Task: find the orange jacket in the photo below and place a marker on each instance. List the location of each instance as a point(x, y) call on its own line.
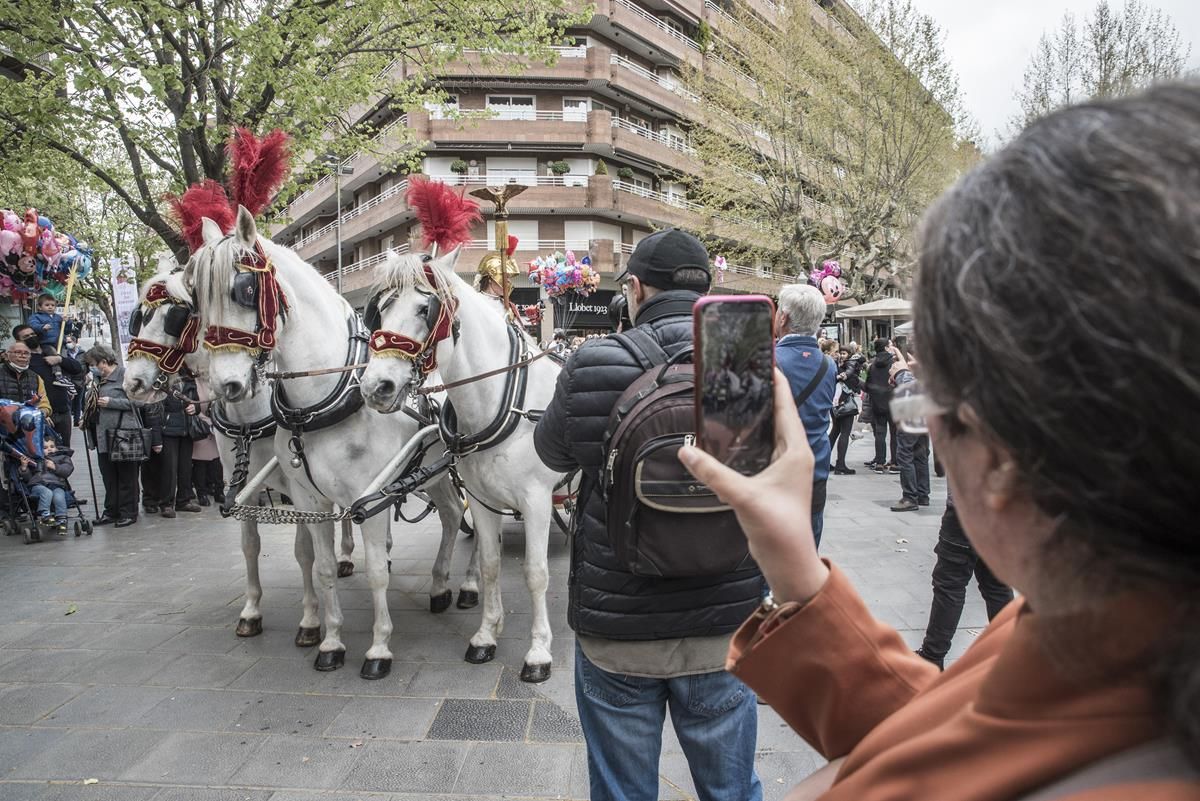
point(1001, 722)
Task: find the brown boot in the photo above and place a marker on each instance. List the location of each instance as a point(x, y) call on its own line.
point(190, 506)
point(167, 511)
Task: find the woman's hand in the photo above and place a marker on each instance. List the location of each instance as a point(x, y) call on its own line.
point(775, 506)
point(189, 409)
point(102, 400)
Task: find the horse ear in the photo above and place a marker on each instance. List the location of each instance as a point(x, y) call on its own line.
point(166, 263)
point(445, 263)
point(211, 231)
point(247, 233)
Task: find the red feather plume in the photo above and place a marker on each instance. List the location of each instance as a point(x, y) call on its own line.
point(446, 218)
point(205, 199)
point(512, 245)
point(259, 167)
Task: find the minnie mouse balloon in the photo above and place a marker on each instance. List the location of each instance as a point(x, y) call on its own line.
point(832, 288)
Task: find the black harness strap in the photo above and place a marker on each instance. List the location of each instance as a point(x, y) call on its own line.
point(507, 418)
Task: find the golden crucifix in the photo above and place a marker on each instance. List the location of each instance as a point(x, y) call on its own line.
point(497, 266)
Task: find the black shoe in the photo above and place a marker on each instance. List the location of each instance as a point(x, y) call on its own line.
point(202, 500)
point(103, 521)
point(880, 469)
point(126, 521)
point(905, 505)
point(285, 500)
point(938, 469)
point(870, 464)
point(81, 501)
point(150, 508)
point(844, 471)
point(922, 501)
point(893, 470)
point(219, 497)
point(187, 506)
point(939, 662)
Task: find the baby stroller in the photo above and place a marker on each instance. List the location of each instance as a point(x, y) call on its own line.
point(22, 430)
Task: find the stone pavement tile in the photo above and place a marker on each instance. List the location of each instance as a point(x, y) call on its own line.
point(299, 675)
point(288, 713)
point(196, 710)
point(46, 665)
point(300, 762)
point(278, 638)
point(779, 771)
point(552, 724)
point(109, 612)
point(421, 767)
point(106, 707)
point(77, 791)
point(479, 719)
point(775, 735)
point(579, 787)
point(205, 759)
point(62, 635)
point(202, 670)
point(11, 632)
point(391, 718)
point(23, 704)
point(84, 754)
point(124, 667)
point(458, 680)
point(18, 746)
point(529, 770)
point(134, 636)
point(512, 688)
point(200, 640)
point(210, 794)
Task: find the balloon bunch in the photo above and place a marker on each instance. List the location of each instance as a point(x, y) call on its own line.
point(561, 272)
point(34, 257)
point(828, 279)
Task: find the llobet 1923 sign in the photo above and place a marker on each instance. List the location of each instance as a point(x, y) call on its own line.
point(573, 311)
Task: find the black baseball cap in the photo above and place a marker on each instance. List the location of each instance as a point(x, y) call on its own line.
point(658, 257)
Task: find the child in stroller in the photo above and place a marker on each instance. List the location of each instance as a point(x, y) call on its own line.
point(47, 483)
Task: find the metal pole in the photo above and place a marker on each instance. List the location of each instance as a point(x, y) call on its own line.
point(337, 180)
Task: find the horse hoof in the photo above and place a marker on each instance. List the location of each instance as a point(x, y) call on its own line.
point(467, 599)
point(249, 627)
point(440, 603)
point(345, 569)
point(478, 654)
point(307, 638)
point(373, 669)
point(330, 660)
point(535, 674)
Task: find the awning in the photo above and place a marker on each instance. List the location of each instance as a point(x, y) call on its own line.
point(882, 309)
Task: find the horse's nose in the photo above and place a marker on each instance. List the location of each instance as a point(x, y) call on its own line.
point(234, 391)
point(385, 388)
point(136, 385)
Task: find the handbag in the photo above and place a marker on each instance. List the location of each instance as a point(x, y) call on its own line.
point(128, 444)
point(847, 406)
point(197, 428)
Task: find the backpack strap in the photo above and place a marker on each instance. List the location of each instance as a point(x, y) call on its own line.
point(807, 392)
point(1157, 760)
point(643, 347)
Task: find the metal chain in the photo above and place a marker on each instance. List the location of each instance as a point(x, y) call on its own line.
point(272, 515)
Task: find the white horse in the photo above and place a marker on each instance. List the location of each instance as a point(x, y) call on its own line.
point(503, 473)
point(325, 465)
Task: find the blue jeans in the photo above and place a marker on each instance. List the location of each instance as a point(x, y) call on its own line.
point(715, 718)
point(45, 495)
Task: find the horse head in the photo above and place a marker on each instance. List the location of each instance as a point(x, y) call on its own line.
point(233, 281)
point(165, 332)
point(413, 323)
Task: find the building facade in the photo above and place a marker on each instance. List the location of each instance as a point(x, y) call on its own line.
point(599, 138)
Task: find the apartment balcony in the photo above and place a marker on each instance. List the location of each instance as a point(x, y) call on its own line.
point(627, 17)
point(663, 91)
point(644, 144)
point(581, 65)
point(655, 207)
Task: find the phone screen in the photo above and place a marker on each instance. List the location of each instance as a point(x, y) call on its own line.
point(735, 402)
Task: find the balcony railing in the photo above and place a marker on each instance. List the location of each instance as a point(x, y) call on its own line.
point(327, 178)
point(666, 83)
point(662, 26)
point(362, 208)
point(499, 179)
point(367, 263)
point(673, 142)
point(725, 15)
point(547, 246)
point(663, 197)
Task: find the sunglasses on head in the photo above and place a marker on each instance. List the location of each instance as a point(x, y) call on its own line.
point(174, 320)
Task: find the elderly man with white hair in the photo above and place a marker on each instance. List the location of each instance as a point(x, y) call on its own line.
point(812, 377)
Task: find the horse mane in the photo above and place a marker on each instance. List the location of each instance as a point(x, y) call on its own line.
point(405, 271)
point(170, 276)
point(212, 268)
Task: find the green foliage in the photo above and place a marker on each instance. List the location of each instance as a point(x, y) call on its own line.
point(559, 167)
point(459, 167)
point(601, 167)
point(625, 173)
point(817, 140)
point(163, 83)
point(704, 36)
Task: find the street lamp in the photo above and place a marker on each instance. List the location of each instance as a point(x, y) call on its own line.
point(339, 169)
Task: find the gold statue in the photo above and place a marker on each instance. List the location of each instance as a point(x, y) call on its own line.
point(495, 272)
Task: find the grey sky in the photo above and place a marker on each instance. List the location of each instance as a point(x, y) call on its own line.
point(989, 42)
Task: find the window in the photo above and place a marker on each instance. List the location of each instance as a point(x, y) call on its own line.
point(442, 111)
point(512, 107)
point(598, 106)
point(387, 243)
point(575, 109)
point(513, 170)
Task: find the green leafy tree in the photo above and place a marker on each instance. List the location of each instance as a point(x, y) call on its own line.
point(166, 80)
point(1110, 53)
point(826, 136)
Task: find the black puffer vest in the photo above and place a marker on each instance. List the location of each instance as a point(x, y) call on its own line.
point(604, 600)
point(17, 386)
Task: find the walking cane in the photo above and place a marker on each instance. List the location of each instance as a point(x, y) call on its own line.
point(91, 478)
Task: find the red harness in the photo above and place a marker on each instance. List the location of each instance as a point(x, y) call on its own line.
point(423, 353)
point(271, 303)
point(170, 359)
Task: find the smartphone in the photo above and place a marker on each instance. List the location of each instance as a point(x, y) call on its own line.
point(735, 370)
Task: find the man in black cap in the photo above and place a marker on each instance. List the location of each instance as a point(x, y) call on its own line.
point(644, 642)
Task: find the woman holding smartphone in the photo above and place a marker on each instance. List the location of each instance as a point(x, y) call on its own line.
point(1087, 686)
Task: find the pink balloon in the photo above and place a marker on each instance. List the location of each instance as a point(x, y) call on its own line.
point(832, 288)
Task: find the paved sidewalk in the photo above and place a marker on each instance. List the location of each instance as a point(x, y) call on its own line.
point(121, 677)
